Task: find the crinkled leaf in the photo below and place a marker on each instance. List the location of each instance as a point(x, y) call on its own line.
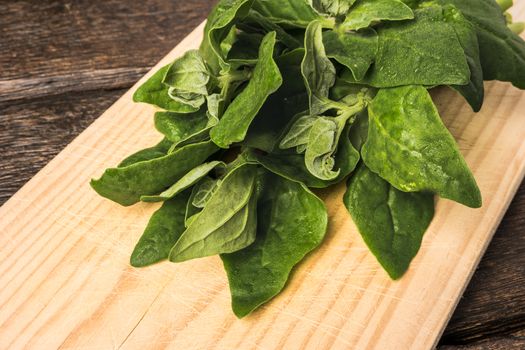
point(355, 50)
point(392, 223)
point(423, 51)
point(321, 144)
point(206, 235)
point(318, 72)
point(217, 28)
point(127, 184)
point(334, 8)
point(164, 229)
point(188, 74)
point(409, 146)
point(299, 133)
point(266, 79)
point(297, 13)
point(154, 92)
point(188, 180)
point(292, 222)
point(367, 12)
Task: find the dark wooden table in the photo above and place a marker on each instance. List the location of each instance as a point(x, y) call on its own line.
point(62, 63)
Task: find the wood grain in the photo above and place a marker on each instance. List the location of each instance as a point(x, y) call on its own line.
point(511, 303)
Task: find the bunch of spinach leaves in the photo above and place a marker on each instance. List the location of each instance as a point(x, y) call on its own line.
point(306, 94)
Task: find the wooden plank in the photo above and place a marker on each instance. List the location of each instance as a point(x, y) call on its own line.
point(111, 43)
point(75, 247)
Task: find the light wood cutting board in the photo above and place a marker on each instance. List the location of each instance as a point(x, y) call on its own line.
point(65, 281)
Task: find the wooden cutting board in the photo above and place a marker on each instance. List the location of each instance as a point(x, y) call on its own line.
point(66, 281)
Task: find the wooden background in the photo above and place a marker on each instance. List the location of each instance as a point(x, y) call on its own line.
point(62, 63)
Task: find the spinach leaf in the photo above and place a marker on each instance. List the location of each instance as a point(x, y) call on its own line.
point(154, 92)
point(391, 222)
point(291, 222)
point(318, 72)
point(474, 90)
point(217, 28)
point(355, 50)
point(157, 151)
point(367, 12)
point(502, 52)
point(292, 166)
point(127, 184)
point(188, 74)
point(409, 146)
point(245, 50)
point(188, 180)
point(299, 133)
point(280, 108)
point(297, 13)
point(334, 8)
point(424, 51)
point(221, 223)
point(266, 79)
point(287, 39)
point(322, 142)
point(179, 128)
point(163, 230)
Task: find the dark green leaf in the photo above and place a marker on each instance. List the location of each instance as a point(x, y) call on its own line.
point(217, 28)
point(367, 12)
point(266, 79)
point(355, 50)
point(318, 72)
point(291, 222)
point(409, 146)
point(391, 222)
point(219, 226)
point(157, 151)
point(179, 128)
point(334, 8)
point(474, 90)
point(424, 51)
point(127, 184)
point(502, 52)
point(297, 13)
point(163, 230)
point(188, 180)
point(154, 92)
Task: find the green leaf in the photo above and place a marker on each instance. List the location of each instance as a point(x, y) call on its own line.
point(299, 133)
point(318, 72)
point(163, 230)
point(392, 223)
point(292, 222)
point(367, 12)
point(290, 41)
point(355, 50)
point(409, 146)
point(217, 28)
point(322, 142)
point(502, 52)
point(334, 8)
point(280, 108)
point(127, 184)
point(179, 128)
point(474, 90)
point(266, 79)
point(188, 74)
point(154, 92)
point(297, 13)
point(424, 51)
point(188, 180)
point(219, 228)
point(157, 151)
